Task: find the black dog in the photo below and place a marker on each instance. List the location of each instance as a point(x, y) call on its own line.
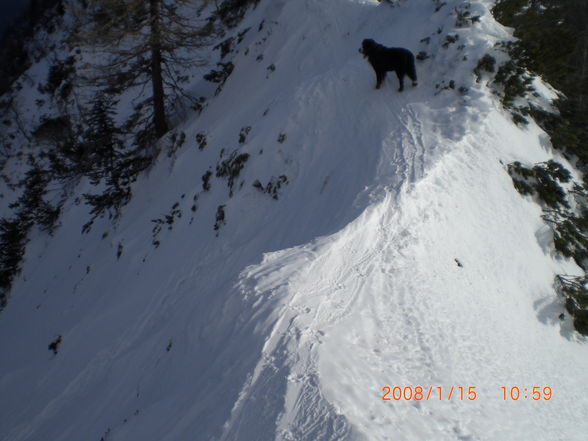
point(385, 59)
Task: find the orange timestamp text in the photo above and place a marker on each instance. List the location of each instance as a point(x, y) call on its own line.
point(419, 393)
point(462, 393)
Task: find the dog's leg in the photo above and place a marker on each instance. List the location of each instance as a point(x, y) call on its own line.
point(413, 76)
point(380, 76)
point(401, 80)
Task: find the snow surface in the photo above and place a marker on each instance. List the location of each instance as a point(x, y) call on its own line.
point(287, 322)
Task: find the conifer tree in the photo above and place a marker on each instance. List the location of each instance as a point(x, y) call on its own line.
point(101, 139)
point(111, 163)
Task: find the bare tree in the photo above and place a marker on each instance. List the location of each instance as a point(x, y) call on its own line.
point(146, 42)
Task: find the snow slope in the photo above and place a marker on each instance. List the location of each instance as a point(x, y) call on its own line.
point(287, 322)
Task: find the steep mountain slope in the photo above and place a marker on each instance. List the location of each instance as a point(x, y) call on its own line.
point(287, 319)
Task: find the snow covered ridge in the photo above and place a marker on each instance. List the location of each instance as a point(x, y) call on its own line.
point(283, 319)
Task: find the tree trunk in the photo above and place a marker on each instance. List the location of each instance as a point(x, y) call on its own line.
point(156, 74)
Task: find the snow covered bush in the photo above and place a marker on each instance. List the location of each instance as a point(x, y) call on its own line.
point(220, 218)
point(231, 12)
point(231, 168)
point(273, 187)
point(575, 293)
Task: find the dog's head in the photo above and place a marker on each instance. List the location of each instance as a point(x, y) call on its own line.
point(366, 46)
